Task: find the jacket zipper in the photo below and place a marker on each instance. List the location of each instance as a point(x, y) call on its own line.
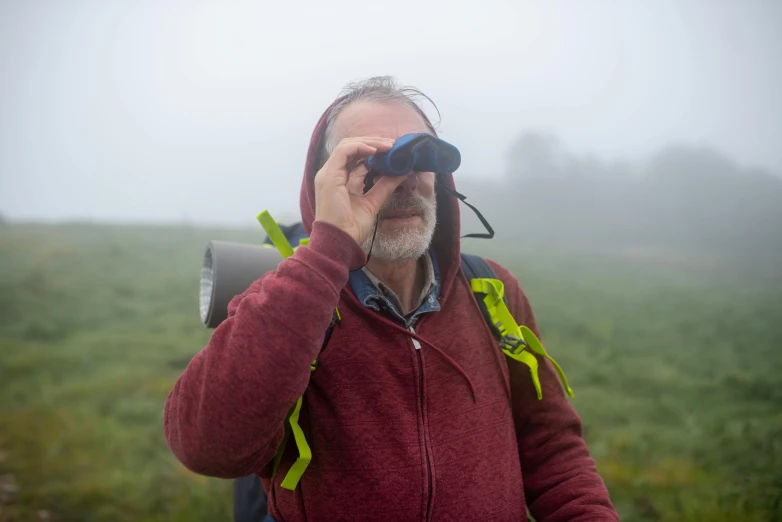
point(417, 346)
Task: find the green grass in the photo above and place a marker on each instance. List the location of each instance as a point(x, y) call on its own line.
point(677, 376)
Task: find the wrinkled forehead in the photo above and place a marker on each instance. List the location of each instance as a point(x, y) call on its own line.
point(377, 119)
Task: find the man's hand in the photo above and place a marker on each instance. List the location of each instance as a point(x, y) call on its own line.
point(339, 197)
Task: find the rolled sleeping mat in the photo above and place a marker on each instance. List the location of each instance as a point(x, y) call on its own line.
point(228, 269)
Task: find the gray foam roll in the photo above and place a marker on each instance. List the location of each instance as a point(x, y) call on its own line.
point(228, 269)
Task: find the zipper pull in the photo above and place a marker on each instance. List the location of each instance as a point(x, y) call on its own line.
point(416, 344)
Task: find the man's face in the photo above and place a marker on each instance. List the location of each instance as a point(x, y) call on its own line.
point(408, 218)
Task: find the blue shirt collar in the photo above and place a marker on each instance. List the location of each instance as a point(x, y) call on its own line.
point(374, 297)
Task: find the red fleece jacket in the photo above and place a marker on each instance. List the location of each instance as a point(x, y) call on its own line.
point(449, 431)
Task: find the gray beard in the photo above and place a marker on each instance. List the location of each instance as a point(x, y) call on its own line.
point(407, 243)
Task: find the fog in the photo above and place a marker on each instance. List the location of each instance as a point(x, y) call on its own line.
point(626, 153)
point(690, 208)
point(202, 111)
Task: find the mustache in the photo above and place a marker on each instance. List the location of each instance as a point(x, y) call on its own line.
point(414, 202)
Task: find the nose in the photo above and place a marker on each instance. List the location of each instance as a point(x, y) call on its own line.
point(409, 184)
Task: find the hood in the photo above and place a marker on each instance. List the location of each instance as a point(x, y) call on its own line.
point(446, 240)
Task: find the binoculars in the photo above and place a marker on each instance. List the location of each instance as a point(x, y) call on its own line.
point(419, 152)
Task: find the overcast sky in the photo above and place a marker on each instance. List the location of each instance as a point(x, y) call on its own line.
point(171, 110)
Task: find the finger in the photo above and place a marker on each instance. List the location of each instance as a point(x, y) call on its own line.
point(354, 164)
point(374, 141)
point(379, 144)
point(349, 144)
point(382, 189)
point(351, 150)
point(335, 168)
point(348, 152)
point(356, 177)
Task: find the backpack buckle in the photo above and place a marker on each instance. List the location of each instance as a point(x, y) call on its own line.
point(513, 343)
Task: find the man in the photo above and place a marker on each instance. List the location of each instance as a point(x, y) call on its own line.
point(412, 412)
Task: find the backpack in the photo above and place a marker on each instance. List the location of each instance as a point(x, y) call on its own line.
point(517, 342)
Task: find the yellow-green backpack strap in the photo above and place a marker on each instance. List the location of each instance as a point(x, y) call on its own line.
point(493, 292)
point(514, 339)
point(530, 360)
point(536, 346)
point(275, 234)
point(305, 454)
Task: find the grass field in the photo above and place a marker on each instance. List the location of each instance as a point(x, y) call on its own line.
point(677, 376)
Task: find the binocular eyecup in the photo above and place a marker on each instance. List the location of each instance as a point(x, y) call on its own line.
point(416, 152)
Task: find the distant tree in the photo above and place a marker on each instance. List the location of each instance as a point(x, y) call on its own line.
point(535, 155)
point(692, 198)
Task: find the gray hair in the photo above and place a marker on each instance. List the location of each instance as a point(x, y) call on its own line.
point(381, 89)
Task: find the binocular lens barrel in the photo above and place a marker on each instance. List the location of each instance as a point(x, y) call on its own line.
point(419, 152)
